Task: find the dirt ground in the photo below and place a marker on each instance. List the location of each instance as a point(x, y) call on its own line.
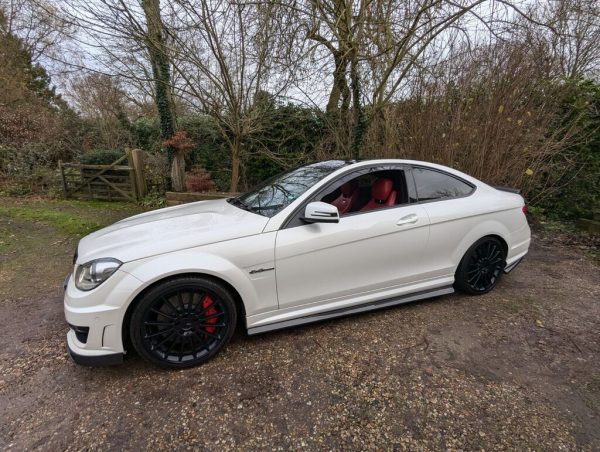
point(516, 369)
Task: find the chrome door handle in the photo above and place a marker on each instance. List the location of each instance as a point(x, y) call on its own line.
point(408, 219)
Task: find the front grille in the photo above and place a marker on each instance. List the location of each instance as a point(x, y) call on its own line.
point(81, 333)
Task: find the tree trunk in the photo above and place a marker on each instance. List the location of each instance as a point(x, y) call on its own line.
point(236, 163)
point(358, 131)
point(159, 60)
point(155, 42)
point(235, 173)
point(178, 172)
point(340, 89)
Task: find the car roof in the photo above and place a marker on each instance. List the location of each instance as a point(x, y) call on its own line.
point(370, 162)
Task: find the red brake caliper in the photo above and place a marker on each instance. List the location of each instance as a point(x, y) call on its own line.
point(206, 302)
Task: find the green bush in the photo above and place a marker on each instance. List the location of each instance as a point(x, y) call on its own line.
point(146, 132)
point(24, 160)
point(101, 156)
point(577, 191)
point(290, 133)
point(28, 169)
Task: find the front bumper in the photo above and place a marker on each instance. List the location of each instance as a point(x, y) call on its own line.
point(99, 314)
point(93, 360)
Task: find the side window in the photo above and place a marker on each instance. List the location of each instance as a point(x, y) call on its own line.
point(373, 190)
point(436, 185)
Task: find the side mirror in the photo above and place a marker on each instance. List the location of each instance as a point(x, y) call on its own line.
point(321, 212)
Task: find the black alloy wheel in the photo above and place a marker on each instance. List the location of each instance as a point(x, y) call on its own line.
point(481, 267)
point(183, 322)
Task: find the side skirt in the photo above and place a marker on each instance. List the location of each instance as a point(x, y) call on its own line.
point(512, 266)
point(353, 310)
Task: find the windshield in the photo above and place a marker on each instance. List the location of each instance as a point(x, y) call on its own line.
point(275, 194)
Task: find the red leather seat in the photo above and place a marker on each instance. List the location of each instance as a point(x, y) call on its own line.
point(346, 199)
point(382, 195)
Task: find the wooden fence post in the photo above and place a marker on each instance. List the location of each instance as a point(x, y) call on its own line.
point(132, 176)
point(140, 177)
point(62, 177)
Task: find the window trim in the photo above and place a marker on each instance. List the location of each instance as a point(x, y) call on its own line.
point(343, 178)
point(445, 173)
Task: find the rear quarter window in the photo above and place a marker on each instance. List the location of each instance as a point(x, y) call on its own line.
point(432, 185)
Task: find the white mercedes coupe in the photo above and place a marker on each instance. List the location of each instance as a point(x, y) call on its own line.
point(320, 241)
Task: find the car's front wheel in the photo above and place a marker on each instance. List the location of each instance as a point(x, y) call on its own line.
point(183, 322)
point(481, 267)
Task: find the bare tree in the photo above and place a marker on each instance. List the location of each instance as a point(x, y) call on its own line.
point(155, 40)
point(571, 35)
point(39, 24)
point(376, 46)
point(104, 105)
point(224, 53)
point(126, 39)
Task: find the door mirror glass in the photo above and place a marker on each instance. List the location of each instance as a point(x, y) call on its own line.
point(321, 212)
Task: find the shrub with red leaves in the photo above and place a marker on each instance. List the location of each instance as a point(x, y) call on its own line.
point(198, 180)
point(180, 142)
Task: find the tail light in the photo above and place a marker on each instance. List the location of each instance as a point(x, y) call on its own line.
point(525, 209)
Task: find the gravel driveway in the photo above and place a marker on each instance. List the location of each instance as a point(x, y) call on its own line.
point(518, 368)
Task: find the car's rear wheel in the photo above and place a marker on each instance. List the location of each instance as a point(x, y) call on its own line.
point(481, 267)
point(183, 322)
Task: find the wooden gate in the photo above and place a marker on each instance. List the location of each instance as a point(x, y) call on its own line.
point(122, 180)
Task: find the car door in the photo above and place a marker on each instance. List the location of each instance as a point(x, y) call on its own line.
point(365, 252)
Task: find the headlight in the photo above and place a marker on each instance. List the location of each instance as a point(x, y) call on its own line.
point(91, 275)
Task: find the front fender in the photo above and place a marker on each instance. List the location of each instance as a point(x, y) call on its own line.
point(230, 261)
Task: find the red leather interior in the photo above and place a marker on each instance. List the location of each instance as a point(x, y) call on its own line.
point(382, 195)
point(346, 199)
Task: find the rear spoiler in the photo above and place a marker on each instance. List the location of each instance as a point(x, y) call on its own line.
point(508, 189)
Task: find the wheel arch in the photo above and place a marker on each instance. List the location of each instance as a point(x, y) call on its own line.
point(494, 236)
point(466, 246)
point(500, 239)
point(239, 303)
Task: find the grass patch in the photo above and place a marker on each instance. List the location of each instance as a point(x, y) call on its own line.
point(71, 217)
point(102, 205)
point(68, 223)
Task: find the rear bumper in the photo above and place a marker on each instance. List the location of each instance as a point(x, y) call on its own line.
point(519, 247)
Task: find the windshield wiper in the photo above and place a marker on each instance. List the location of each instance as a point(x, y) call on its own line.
point(241, 204)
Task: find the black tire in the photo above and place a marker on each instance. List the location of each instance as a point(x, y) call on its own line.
point(481, 267)
point(183, 322)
